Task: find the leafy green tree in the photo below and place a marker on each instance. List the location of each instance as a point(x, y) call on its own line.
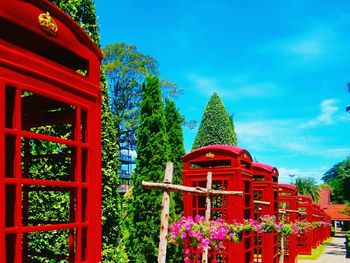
point(126, 69)
point(152, 154)
point(308, 186)
point(338, 177)
point(216, 126)
point(176, 146)
point(83, 12)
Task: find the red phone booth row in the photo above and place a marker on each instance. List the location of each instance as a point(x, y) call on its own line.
point(289, 214)
point(232, 168)
point(50, 150)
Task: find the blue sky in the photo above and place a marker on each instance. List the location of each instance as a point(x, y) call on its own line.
point(280, 67)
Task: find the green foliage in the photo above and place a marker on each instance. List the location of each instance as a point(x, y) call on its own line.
point(216, 126)
point(347, 244)
point(152, 154)
point(126, 69)
point(176, 147)
point(308, 186)
point(338, 178)
point(47, 206)
point(83, 12)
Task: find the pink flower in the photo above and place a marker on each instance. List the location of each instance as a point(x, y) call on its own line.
point(183, 235)
point(205, 242)
point(187, 251)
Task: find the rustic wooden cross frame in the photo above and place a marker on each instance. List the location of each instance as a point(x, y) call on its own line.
point(167, 186)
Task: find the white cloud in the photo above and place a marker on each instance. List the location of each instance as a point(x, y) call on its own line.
point(338, 151)
point(306, 47)
point(272, 134)
point(328, 115)
point(285, 136)
point(233, 87)
point(312, 46)
point(285, 174)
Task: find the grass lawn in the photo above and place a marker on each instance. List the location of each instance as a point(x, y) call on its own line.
point(317, 251)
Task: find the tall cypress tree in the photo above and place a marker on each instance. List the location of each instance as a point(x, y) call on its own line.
point(216, 126)
point(152, 154)
point(173, 123)
point(176, 147)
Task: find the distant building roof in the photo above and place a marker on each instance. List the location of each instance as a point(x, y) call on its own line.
point(335, 212)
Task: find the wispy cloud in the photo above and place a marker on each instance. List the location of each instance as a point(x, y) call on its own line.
point(285, 136)
point(233, 86)
point(286, 174)
point(327, 115)
point(312, 46)
point(309, 45)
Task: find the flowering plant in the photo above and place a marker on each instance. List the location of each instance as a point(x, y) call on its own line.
point(304, 226)
point(201, 234)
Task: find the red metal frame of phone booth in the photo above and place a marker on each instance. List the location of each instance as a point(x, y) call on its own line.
point(50, 99)
point(265, 188)
point(231, 170)
point(316, 217)
point(305, 239)
point(288, 198)
point(326, 233)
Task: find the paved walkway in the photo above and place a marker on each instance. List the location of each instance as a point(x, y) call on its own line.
point(334, 252)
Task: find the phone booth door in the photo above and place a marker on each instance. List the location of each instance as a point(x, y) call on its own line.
point(265, 192)
point(305, 239)
point(50, 144)
point(288, 214)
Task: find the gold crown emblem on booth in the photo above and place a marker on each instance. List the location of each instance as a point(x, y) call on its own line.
point(47, 24)
point(210, 155)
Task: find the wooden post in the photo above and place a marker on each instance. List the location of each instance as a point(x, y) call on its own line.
point(207, 212)
point(164, 218)
point(167, 187)
point(282, 237)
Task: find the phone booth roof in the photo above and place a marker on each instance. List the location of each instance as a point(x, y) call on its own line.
point(269, 172)
point(217, 153)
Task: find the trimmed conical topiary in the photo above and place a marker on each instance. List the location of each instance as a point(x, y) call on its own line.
point(216, 126)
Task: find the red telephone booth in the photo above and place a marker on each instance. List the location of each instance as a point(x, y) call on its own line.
point(305, 239)
point(231, 170)
point(326, 233)
point(50, 122)
point(288, 214)
point(317, 231)
point(265, 193)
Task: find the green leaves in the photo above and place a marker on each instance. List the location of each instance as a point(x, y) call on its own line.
point(338, 178)
point(216, 126)
point(308, 186)
point(152, 154)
